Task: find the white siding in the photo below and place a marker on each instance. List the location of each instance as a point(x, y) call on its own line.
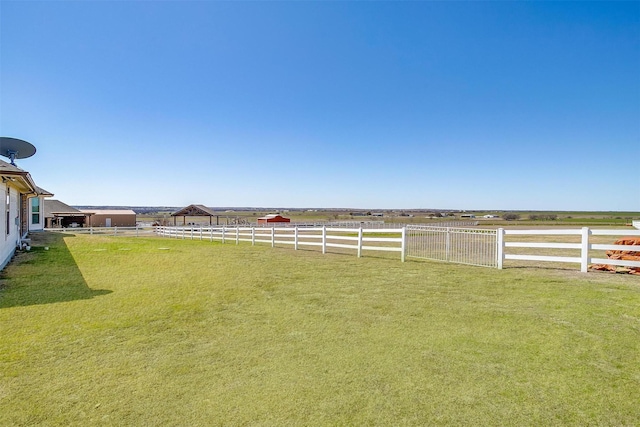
point(9, 240)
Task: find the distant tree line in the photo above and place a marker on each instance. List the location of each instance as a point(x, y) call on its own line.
point(543, 217)
point(510, 216)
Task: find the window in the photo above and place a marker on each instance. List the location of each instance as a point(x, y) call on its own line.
point(35, 210)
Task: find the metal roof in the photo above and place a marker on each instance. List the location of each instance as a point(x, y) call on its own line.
point(195, 210)
point(109, 211)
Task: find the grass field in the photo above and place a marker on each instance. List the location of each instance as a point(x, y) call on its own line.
point(564, 219)
point(123, 331)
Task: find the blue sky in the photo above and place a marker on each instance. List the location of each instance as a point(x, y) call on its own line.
point(462, 105)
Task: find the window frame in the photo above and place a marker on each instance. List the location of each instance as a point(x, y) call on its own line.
point(35, 213)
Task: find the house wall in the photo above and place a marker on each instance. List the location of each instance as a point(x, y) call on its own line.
point(9, 240)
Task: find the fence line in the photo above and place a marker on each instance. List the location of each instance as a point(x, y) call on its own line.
point(107, 231)
point(358, 239)
point(585, 247)
point(456, 245)
point(358, 224)
point(480, 247)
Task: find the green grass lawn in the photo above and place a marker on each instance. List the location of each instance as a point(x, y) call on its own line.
point(124, 331)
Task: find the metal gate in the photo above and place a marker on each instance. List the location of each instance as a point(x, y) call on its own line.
point(457, 245)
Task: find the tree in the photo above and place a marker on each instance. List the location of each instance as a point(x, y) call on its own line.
point(511, 216)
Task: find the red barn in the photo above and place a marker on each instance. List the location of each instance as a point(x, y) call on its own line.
point(272, 218)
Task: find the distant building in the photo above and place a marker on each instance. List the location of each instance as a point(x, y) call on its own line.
point(267, 219)
point(111, 217)
point(58, 214)
point(467, 216)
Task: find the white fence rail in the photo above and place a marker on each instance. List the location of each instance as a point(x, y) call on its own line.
point(488, 248)
point(457, 245)
point(358, 224)
point(109, 231)
point(358, 239)
point(583, 248)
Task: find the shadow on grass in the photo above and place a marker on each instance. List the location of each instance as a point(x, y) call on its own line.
point(47, 274)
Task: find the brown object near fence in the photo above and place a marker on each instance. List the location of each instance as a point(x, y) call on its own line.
point(622, 255)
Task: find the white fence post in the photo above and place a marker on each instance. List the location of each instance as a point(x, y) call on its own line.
point(403, 250)
point(448, 244)
point(237, 235)
point(500, 248)
point(360, 242)
point(253, 236)
point(584, 255)
point(324, 239)
point(295, 238)
point(223, 230)
point(273, 237)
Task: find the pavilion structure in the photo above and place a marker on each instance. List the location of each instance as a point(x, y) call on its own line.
point(195, 210)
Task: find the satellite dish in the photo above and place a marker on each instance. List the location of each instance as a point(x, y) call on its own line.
point(15, 148)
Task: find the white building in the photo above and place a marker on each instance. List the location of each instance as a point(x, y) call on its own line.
point(22, 211)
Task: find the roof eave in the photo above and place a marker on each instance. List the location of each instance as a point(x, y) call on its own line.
point(22, 180)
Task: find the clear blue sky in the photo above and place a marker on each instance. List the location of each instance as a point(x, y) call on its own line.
point(464, 105)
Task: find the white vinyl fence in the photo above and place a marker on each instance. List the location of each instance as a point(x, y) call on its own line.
point(458, 245)
point(107, 231)
point(363, 224)
point(487, 248)
point(583, 250)
point(357, 239)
